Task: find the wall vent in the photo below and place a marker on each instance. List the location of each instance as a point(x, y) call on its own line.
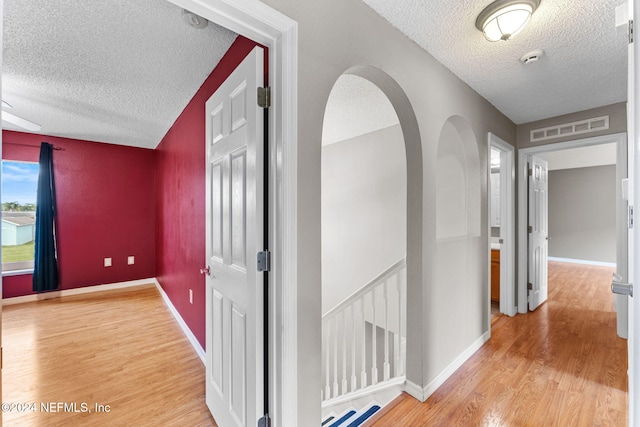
point(569, 129)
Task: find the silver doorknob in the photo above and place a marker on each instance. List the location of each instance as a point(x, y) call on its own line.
point(206, 271)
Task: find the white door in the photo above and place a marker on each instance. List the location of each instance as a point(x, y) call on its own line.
point(234, 235)
point(538, 231)
point(634, 235)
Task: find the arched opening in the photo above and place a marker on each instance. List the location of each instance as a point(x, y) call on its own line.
point(459, 262)
point(457, 185)
point(371, 263)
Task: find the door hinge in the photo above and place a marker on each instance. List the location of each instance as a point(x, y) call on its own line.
point(264, 97)
point(530, 172)
point(630, 216)
point(264, 261)
point(530, 286)
point(265, 421)
point(630, 31)
point(530, 229)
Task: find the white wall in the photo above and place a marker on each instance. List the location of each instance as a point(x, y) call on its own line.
point(364, 200)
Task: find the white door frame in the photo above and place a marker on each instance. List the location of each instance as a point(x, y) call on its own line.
point(507, 223)
point(619, 138)
point(265, 25)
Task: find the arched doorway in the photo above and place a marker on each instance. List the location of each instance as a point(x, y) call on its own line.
point(371, 234)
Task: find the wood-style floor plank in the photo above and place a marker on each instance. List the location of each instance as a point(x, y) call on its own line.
point(118, 348)
point(562, 365)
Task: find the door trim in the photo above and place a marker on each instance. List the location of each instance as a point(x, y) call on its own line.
point(507, 223)
point(265, 25)
point(619, 138)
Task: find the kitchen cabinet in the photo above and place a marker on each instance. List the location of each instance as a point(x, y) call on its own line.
point(495, 275)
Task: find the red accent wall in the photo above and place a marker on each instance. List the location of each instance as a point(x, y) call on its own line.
point(106, 208)
point(180, 197)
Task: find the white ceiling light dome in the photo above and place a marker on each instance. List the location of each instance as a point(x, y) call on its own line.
point(503, 19)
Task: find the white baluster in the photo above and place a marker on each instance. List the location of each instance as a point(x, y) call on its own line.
point(402, 316)
point(343, 327)
point(335, 356)
point(363, 373)
point(387, 366)
point(396, 336)
point(354, 380)
point(374, 344)
point(326, 350)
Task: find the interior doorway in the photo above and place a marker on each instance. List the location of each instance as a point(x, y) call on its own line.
point(502, 226)
point(578, 170)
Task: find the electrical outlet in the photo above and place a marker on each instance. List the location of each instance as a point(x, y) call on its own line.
point(191, 296)
point(131, 260)
point(107, 262)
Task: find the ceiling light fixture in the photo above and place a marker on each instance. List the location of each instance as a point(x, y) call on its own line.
point(503, 19)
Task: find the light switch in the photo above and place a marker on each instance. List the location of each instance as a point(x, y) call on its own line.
point(107, 262)
point(131, 260)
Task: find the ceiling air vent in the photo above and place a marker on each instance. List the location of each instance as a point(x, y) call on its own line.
point(569, 129)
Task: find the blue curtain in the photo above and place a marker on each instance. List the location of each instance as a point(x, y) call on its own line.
point(45, 269)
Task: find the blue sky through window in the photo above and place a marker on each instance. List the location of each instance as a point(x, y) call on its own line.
point(19, 182)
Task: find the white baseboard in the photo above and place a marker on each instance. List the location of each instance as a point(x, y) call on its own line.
point(183, 325)
point(582, 261)
point(415, 390)
point(77, 291)
point(423, 393)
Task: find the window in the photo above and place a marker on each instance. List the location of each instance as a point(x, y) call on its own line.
point(19, 188)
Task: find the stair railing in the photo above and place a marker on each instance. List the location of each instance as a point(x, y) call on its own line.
point(363, 337)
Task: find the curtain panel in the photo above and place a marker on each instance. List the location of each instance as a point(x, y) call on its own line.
point(45, 270)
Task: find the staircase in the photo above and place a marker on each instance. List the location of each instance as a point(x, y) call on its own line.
point(351, 417)
point(363, 349)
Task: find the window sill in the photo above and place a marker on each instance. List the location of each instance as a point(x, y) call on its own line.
point(17, 272)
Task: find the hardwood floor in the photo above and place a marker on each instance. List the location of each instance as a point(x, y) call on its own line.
point(562, 365)
point(117, 348)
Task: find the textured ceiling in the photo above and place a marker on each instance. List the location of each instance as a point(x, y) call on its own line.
point(584, 63)
point(116, 71)
point(121, 71)
point(355, 107)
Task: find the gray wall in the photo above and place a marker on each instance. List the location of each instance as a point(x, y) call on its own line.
point(336, 36)
point(582, 213)
point(364, 211)
point(617, 124)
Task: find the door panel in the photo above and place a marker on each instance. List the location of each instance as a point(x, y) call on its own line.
point(633, 159)
point(234, 235)
point(539, 230)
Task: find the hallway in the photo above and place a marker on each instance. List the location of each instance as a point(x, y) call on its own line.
point(562, 365)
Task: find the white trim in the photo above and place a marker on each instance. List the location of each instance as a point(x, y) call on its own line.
point(267, 26)
point(369, 391)
point(183, 325)
point(582, 261)
point(423, 394)
point(507, 224)
point(76, 291)
point(17, 272)
point(415, 390)
point(619, 138)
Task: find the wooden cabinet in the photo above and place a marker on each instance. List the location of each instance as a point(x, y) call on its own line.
point(495, 275)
